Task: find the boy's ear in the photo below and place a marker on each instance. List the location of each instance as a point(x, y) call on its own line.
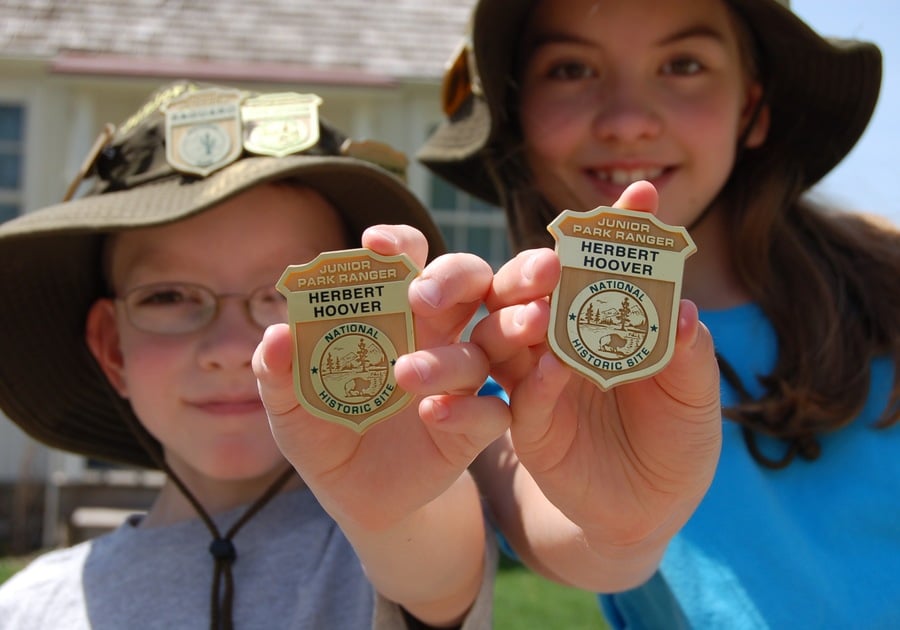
point(102, 337)
point(757, 134)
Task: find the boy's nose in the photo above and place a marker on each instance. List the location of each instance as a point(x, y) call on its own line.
point(230, 339)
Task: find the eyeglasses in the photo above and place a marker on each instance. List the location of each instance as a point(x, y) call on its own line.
point(176, 308)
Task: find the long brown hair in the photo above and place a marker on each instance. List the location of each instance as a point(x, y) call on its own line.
point(828, 282)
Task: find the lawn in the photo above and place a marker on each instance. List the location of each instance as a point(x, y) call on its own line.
point(522, 600)
point(8, 566)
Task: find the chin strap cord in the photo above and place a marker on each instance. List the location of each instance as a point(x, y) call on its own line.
point(221, 548)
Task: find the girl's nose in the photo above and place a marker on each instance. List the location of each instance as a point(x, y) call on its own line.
point(626, 115)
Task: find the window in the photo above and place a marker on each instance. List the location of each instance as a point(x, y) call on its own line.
point(12, 124)
point(469, 224)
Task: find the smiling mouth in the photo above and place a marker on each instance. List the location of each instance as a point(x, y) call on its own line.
point(228, 407)
point(625, 176)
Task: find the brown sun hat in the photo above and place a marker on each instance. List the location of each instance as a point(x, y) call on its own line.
point(821, 92)
point(223, 142)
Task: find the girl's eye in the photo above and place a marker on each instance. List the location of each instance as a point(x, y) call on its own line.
point(570, 71)
point(685, 66)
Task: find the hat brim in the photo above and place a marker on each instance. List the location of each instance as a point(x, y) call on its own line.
point(453, 151)
point(50, 267)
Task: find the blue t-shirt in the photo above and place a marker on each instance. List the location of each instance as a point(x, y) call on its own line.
point(814, 545)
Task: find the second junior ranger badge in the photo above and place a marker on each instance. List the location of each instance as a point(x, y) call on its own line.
point(203, 131)
point(350, 320)
point(614, 313)
point(281, 124)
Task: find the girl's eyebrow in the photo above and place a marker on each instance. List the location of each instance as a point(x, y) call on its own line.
point(698, 30)
point(555, 37)
point(551, 37)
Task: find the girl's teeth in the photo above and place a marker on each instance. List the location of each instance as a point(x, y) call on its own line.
point(623, 177)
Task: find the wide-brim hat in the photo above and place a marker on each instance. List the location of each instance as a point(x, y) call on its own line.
point(822, 92)
point(50, 259)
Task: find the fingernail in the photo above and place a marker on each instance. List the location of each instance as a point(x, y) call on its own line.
point(541, 366)
point(423, 370)
point(521, 315)
point(429, 291)
point(529, 267)
point(388, 236)
point(437, 409)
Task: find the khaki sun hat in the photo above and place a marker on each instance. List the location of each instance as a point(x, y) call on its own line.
point(821, 92)
point(190, 147)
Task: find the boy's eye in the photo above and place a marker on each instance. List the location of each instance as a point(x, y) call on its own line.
point(267, 295)
point(570, 71)
point(683, 66)
point(170, 295)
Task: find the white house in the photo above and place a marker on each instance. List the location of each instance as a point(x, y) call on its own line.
point(67, 67)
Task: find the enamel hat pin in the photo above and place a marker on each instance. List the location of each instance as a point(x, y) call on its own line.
point(350, 320)
point(203, 130)
point(614, 312)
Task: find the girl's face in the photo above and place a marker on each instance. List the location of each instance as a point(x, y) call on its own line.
point(615, 91)
point(195, 392)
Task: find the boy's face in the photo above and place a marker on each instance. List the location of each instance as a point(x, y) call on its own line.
point(623, 90)
point(195, 392)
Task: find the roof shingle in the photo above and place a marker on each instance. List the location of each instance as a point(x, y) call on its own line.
point(403, 39)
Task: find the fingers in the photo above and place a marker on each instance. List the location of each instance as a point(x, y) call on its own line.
point(534, 401)
point(390, 240)
point(532, 274)
point(504, 333)
point(450, 279)
point(446, 295)
point(692, 375)
point(454, 369)
point(512, 339)
point(514, 331)
point(480, 418)
point(272, 367)
point(639, 196)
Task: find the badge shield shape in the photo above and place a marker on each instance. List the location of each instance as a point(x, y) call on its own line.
point(281, 124)
point(614, 312)
point(203, 131)
point(350, 320)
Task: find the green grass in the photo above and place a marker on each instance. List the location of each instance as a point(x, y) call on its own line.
point(522, 600)
point(9, 565)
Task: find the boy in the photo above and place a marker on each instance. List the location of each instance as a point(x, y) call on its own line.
point(166, 269)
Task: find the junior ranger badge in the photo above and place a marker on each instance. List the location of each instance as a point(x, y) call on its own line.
point(203, 131)
point(350, 320)
point(281, 124)
point(614, 313)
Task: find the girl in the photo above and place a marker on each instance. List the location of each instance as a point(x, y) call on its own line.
point(732, 110)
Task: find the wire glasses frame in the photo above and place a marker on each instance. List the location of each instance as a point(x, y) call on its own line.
point(177, 308)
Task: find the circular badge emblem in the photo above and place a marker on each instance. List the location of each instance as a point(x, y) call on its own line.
point(613, 325)
point(352, 368)
point(204, 145)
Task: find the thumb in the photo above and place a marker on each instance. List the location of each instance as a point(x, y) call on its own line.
point(692, 375)
point(272, 366)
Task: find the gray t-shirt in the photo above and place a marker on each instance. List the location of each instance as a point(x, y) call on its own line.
point(294, 569)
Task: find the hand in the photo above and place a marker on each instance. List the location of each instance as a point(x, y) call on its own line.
point(627, 466)
point(373, 480)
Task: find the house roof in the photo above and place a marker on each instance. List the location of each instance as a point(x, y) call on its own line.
point(345, 41)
